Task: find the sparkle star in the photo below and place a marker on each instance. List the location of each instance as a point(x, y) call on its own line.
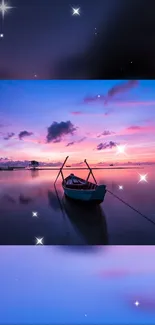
point(39, 241)
point(4, 8)
point(34, 214)
point(142, 178)
point(1, 35)
point(136, 303)
point(121, 149)
point(76, 11)
point(120, 187)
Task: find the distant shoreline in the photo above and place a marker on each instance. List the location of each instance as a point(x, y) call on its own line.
point(73, 168)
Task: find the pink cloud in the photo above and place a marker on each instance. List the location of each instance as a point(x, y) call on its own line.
point(133, 103)
point(90, 114)
point(138, 129)
point(114, 273)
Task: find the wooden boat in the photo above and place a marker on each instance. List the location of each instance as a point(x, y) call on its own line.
point(79, 189)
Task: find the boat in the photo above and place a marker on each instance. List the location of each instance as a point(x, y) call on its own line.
point(79, 189)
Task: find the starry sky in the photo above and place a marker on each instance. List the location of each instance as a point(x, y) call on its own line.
point(48, 120)
point(110, 39)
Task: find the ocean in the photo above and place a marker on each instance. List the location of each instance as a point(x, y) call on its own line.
point(62, 222)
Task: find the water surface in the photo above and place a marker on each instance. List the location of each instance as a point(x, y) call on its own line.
point(61, 221)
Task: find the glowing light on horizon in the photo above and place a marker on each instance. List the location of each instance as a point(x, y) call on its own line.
point(76, 11)
point(143, 178)
point(4, 8)
point(39, 241)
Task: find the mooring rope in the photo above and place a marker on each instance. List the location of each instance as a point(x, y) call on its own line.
point(117, 197)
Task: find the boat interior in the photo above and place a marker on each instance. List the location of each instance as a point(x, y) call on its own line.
point(80, 184)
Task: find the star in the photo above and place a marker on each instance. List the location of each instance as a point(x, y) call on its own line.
point(120, 187)
point(39, 241)
point(85, 315)
point(98, 96)
point(4, 8)
point(136, 303)
point(1, 35)
point(34, 214)
point(35, 76)
point(121, 149)
point(76, 11)
point(142, 178)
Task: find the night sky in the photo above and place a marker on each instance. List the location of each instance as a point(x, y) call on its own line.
point(49, 120)
point(110, 39)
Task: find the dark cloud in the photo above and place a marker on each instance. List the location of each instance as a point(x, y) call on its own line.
point(112, 92)
point(24, 134)
point(122, 87)
point(70, 144)
point(91, 99)
point(105, 133)
point(82, 139)
point(106, 145)
point(73, 142)
point(57, 131)
point(9, 136)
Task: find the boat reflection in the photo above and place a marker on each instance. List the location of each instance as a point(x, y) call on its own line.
point(89, 219)
point(54, 200)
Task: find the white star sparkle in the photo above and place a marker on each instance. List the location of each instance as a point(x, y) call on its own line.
point(39, 241)
point(34, 214)
point(1, 35)
point(76, 11)
point(142, 178)
point(4, 8)
point(120, 187)
point(121, 149)
point(85, 315)
point(137, 303)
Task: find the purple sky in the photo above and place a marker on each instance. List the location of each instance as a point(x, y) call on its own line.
point(48, 120)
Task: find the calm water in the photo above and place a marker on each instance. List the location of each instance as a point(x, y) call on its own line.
point(77, 285)
point(61, 221)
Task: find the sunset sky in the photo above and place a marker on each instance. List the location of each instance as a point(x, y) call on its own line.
point(48, 120)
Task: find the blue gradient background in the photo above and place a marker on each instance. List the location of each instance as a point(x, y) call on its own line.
point(66, 285)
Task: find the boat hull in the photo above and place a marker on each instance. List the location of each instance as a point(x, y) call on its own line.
point(96, 195)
